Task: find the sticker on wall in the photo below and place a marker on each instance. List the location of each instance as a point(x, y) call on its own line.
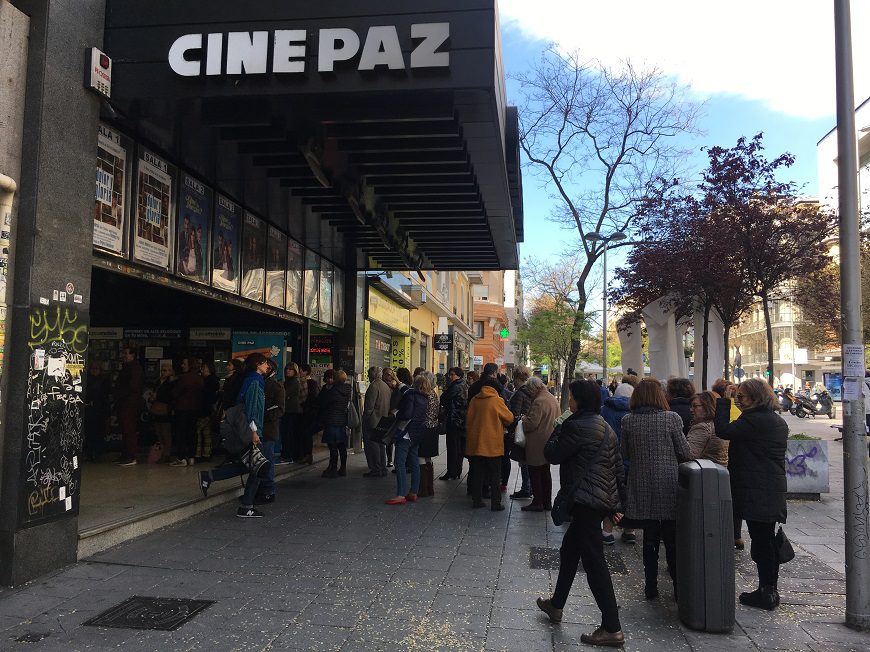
point(55, 295)
point(63, 296)
point(77, 298)
point(44, 301)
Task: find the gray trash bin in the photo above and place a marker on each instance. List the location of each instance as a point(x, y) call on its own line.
point(705, 547)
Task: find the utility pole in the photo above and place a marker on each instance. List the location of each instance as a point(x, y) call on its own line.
point(855, 489)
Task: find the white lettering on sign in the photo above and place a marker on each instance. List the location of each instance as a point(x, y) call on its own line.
point(105, 184)
point(247, 53)
point(152, 209)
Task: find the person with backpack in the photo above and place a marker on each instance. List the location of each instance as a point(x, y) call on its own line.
point(253, 397)
point(274, 409)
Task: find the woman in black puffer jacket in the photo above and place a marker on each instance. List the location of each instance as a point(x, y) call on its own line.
point(756, 462)
point(586, 447)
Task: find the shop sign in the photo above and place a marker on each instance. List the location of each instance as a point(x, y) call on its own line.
point(443, 341)
point(477, 360)
point(152, 333)
point(221, 334)
point(106, 333)
point(388, 313)
point(321, 345)
point(285, 50)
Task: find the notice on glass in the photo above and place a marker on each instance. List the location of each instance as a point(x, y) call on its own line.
point(276, 268)
point(110, 202)
point(253, 258)
point(853, 360)
point(154, 178)
point(294, 277)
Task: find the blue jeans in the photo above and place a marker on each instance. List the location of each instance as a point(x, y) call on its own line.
point(233, 469)
point(267, 484)
point(407, 452)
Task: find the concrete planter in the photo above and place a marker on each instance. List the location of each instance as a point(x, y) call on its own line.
point(806, 468)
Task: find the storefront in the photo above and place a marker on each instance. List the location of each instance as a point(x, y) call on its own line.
point(232, 168)
point(387, 332)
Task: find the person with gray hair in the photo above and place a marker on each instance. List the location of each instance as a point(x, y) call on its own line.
point(376, 405)
point(520, 404)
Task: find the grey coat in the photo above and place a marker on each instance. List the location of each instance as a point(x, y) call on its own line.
point(654, 445)
point(538, 425)
point(376, 405)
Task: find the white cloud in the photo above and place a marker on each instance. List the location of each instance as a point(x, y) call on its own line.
point(779, 52)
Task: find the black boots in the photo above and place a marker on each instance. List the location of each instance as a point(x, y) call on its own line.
point(764, 597)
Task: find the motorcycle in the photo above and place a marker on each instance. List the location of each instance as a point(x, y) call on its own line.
point(817, 404)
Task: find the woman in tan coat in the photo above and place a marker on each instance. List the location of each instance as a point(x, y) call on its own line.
point(538, 425)
point(485, 421)
point(703, 442)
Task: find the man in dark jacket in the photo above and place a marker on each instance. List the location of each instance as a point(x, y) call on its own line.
point(275, 398)
point(128, 397)
point(520, 403)
point(186, 407)
point(454, 403)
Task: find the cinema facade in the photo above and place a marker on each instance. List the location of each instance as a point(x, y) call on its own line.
point(261, 169)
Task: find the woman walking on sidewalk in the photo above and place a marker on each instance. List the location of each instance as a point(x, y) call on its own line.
point(758, 484)
point(587, 449)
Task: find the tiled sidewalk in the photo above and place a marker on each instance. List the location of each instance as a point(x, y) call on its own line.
point(333, 568)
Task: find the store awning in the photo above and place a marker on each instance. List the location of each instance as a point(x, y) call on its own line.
point(412, 164)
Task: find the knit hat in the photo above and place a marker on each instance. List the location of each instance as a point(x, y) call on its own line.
point(623, 390)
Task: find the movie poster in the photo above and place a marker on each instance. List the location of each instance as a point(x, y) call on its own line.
point(110, 204)
point(311, 280)
point(192, 240)
point(253, 257)
point(154, 178)
point(276, 268)
point(225, 252)
point(327, 273)
point(294, 277)
point(338, 298)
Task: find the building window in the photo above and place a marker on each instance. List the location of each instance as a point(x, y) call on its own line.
point(478, 329)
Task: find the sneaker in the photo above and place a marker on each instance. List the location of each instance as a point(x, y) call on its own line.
point(739, 544)
point(264, 500)
point(765, 597)
point(127, 462)
point(178, 463)
point(602, 637)
point(204, 483)
point(521, 494)
point(608, 539)
point(547, 607)
point(249, 512)
point(191, 462)
point(283, 462)
point(629, 537)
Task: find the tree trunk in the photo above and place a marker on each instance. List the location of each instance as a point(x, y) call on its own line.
point(570, 365)
point(576, 343)
point(765, 304)
point(727, 354)
point(705, 343)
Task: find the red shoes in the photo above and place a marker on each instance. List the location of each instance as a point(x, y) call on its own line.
point(397, 501)
point(411, 498)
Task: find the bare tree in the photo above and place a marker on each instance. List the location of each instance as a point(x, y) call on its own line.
point(601, 138)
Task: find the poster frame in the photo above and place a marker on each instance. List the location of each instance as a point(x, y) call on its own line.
point(198, 186)
point(116, 139)
point(163, 168)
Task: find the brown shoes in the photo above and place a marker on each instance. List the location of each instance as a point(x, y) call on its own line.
point(602, 637)
point(547, 607)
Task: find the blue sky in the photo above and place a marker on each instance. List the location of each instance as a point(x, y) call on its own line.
point(778, 80)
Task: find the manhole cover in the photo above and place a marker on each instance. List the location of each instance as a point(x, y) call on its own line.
point(548, 559)
point(138, 612)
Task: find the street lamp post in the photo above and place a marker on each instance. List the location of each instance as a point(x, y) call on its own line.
point(604, 240)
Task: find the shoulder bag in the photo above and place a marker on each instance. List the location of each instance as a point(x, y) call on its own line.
point(563, 502)
point(386, 430)
point(784, 550)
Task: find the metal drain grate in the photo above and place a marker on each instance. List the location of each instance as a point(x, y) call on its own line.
point(164, 614)
point(548, 559)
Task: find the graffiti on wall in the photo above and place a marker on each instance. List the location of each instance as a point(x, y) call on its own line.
point(806, 466)
point(55, 409)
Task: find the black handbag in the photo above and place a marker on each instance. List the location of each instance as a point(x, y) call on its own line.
point(784, 550)
point(563, 502)
point(385, 431)
point(256, 463)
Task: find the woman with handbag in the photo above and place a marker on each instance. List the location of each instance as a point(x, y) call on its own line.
point(429, 442)
point(758, 439)
point(412, 419)
point(537, 427)
point(587, 450)
point(654, 445)
point(332, 412)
